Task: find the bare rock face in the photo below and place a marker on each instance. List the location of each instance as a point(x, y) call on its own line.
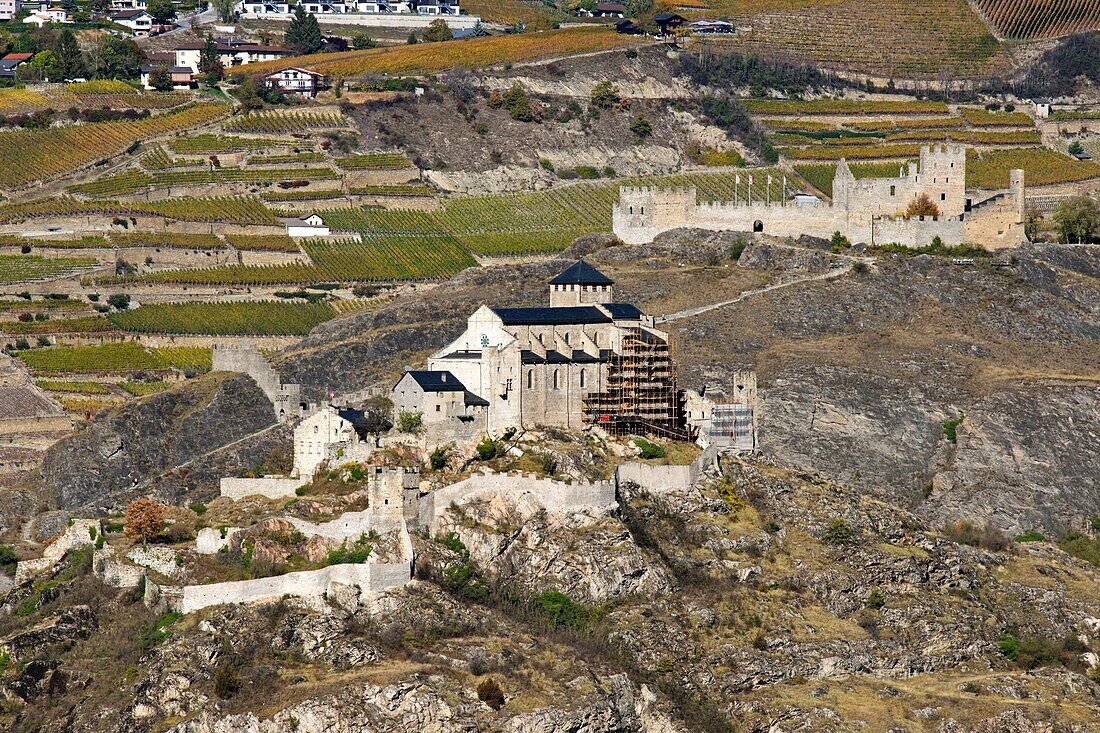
point(169, 444)
point(1028, 447)
point(589, 558)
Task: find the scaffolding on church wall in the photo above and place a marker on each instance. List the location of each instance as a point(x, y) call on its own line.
point(641, 396)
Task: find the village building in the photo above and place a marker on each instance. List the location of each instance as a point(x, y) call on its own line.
point(309, 225)
point(182, 77)
point(128, 5)
point(868, 210)
point(231, 52)
point(583, 360)
point(9, 9)
point(265, 8)
point(328, 428)
point(296, 81)
point(139, 22)
point(11, 62)
point(438, 397)
point(48, 15)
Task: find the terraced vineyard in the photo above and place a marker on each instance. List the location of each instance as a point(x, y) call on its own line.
point(1033, 19)
point(821, 175)
point(375, 161)
point(88, 241)
point(80, 324)
point(114, 358)
point(283, 121)
point(134, 181)
point(32, 155)
point(852, 152)
point(886, 37)
point(229, 209)
point(985, 118)
point(262, 242)
point(92, 94)
point(212, 143)
point(843, 107)
point(23, 268)
point(255, 318)
point(168, 240)
point(472, 54)
point(1042, 166)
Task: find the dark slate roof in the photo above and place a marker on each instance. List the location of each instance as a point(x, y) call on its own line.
point(464, 354)
point(556, 357)
point(622, 311)
point(582, 273)
point(472, 400)
point(667, 17)
point(552, 316)
point(430, 381)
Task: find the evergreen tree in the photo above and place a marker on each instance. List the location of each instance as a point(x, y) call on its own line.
point(210, 61)
point(70, 61)
point(304, 34)
point(117, 58)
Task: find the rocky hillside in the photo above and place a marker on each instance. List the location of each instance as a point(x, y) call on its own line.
point(761, 600)
point(171, 445)
point(957, 391)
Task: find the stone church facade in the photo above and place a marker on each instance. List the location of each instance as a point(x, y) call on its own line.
point(521, 367)
point(865, 210)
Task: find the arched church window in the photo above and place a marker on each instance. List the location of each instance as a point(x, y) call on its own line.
point(556, 378)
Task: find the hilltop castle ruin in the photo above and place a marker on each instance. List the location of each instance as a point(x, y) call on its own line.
point(869, 210)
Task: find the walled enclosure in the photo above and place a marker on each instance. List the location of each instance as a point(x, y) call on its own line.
point(863, 210)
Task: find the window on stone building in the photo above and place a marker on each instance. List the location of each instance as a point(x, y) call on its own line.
point(892, 189)
point(530, 377)
point(582, 377)
point(943, 197)
point(556, 378)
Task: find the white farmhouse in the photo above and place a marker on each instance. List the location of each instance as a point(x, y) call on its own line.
point(139, 22)
point(316, 433)
point(311, 225)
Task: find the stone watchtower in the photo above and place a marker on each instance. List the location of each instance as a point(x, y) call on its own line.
point(942, 177)
point(580, 284)
point(644, 212)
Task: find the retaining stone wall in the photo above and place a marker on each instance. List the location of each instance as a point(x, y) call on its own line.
point(666, 478)
point(75, 535)
point(311, 584)
point(555, 496)
point(272, 488)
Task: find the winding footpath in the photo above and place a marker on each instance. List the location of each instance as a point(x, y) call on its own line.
point(699, 310)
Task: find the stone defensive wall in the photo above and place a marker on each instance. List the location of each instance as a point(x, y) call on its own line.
point(666, 478)
point(77, 534)
point(917, 231)
point(311, 584)
point(275, 487)
point(349, 526)
point(644, 212)
point(555, 496)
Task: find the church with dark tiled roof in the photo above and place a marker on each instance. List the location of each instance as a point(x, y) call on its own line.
point(582, 359)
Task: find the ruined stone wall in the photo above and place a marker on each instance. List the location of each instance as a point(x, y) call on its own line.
point(916, 231)
point(555, 496)
point(312, 585)
point(273, 487)
point(638, 222)
point(666, 478)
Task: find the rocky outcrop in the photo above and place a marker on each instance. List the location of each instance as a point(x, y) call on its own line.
point(170, 444)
